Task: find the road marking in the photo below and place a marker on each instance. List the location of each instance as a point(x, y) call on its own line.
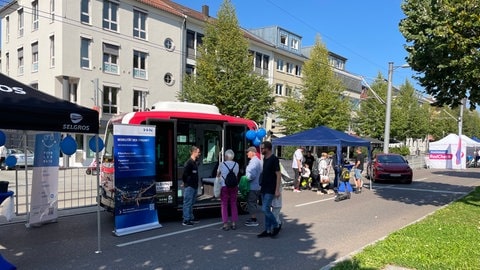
point(167, 234)
point(421, 189)
point(324, 200)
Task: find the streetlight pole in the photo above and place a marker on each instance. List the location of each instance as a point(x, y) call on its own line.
point(386, 136)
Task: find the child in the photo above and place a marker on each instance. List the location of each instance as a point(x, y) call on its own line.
point(305, 177)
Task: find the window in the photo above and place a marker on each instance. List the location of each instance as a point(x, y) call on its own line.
point(289, 68)
point(139, 24)
point(52, 51)
point(110, 10)
point(35, 57)
point(284, 39)
point(34, 85)
point(193, 41)
point(85, 13)
point(110, 58)
point(168, 43)
point(295, 44)
point(288, 91)
point(85, 52)
point(190, 69)
point(298, 70)
point(7, 64)
point(72, 92)
point(139, 100)
point(139, 65)
point(20, 61)
point(266, 59)
point(168, 78)
point(35, 15)
point(278, 89)
point(110, 99)
point(7, 29)
point(52, 10)
point(280, 65)
point(258, 60)
point(21, 22)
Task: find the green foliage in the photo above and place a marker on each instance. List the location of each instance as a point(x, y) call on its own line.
point(403, 150)
point(447, 239)
point(320, 102)
point(224, 71)
point(443, 46)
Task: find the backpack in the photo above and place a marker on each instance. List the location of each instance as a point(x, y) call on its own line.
point(231, 179)
point(345, 175)
point(243, 187)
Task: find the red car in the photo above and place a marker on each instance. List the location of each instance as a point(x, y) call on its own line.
point(390, 167)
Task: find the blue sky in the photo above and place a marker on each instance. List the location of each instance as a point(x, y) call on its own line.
point(365, 32)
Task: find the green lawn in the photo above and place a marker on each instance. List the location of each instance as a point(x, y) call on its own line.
point(447, 239)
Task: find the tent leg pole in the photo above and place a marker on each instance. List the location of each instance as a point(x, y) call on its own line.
point(99, 232)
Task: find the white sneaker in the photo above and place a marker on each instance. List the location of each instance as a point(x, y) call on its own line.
point(296, 190)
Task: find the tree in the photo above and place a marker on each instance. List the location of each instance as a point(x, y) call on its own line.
point(224, 72)
point(370, 120)
point(409, 119)
point(443, 45)
point(320, 101)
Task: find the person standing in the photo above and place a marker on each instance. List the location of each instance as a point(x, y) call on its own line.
point(229, 192)
point(270, 184)
point(359, 160)
point(3, 156)
point(253, 172)
point(190, 186)
point(297, 164)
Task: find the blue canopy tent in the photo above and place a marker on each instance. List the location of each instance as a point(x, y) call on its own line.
point(323, 136)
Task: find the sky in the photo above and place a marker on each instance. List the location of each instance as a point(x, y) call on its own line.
point(365, 32)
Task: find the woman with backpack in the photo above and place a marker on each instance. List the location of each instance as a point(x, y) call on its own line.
point(228, 173)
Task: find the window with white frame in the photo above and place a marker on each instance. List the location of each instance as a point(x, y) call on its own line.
point(85, 53)
point(35, 57)
point(139, 100)
point(85, 11)
point(110, 103)
point(20, 61)
point(294, 44)
point(168, 79)
point(298, 70)
point(279, 64)
point(52, 10)
point(35, 15)
point(72, 92)
point(21, 22)
point(139, 64)
point(266, 59)
point(278, 89)
point(289, 68)
point(139, 24)
point(7, 29)
point(110, 58)
point(169, 45)
point(284, 39)
point(288, 91)
point(110, 15)
point(52, 50)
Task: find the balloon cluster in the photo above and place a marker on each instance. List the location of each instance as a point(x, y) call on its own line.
point(256, 136)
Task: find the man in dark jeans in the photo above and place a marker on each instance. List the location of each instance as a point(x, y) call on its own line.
point(190, 184)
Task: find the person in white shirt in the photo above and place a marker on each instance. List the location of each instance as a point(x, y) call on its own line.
point(297, 162)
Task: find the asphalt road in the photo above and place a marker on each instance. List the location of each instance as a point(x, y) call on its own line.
point(317, 231)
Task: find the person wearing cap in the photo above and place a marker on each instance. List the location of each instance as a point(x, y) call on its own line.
point(297, 164)
point(252, 172)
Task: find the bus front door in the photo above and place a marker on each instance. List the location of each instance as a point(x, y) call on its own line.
point(166, 165)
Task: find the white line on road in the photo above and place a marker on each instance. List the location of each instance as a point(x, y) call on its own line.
point(303, 204)
point(421, 189)
point(167, 234)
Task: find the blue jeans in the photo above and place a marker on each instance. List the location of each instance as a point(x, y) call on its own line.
point(189, 198)
point(270, 220)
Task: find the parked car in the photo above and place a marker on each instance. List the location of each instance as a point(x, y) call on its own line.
point(19, 154)
point(390, 167)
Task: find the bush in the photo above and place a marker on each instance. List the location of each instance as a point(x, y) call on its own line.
point(403, 150)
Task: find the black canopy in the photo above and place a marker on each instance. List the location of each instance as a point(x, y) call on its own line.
point(25, 108)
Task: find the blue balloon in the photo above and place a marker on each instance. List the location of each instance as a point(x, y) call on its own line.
point(11, 161)
point(257, 142)
point(2, 138)
point(93, 144)
point(68, 145)
point(261, 132)
point(251, 135)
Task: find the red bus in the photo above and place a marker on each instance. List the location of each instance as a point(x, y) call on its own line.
point(178, 126)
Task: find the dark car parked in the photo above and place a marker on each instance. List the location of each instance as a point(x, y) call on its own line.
point(390, 167)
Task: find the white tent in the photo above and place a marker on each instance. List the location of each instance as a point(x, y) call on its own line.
point(450, 152)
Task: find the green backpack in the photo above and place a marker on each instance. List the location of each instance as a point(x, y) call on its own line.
point(244, 187)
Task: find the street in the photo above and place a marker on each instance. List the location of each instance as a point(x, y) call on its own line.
point(316, 232)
